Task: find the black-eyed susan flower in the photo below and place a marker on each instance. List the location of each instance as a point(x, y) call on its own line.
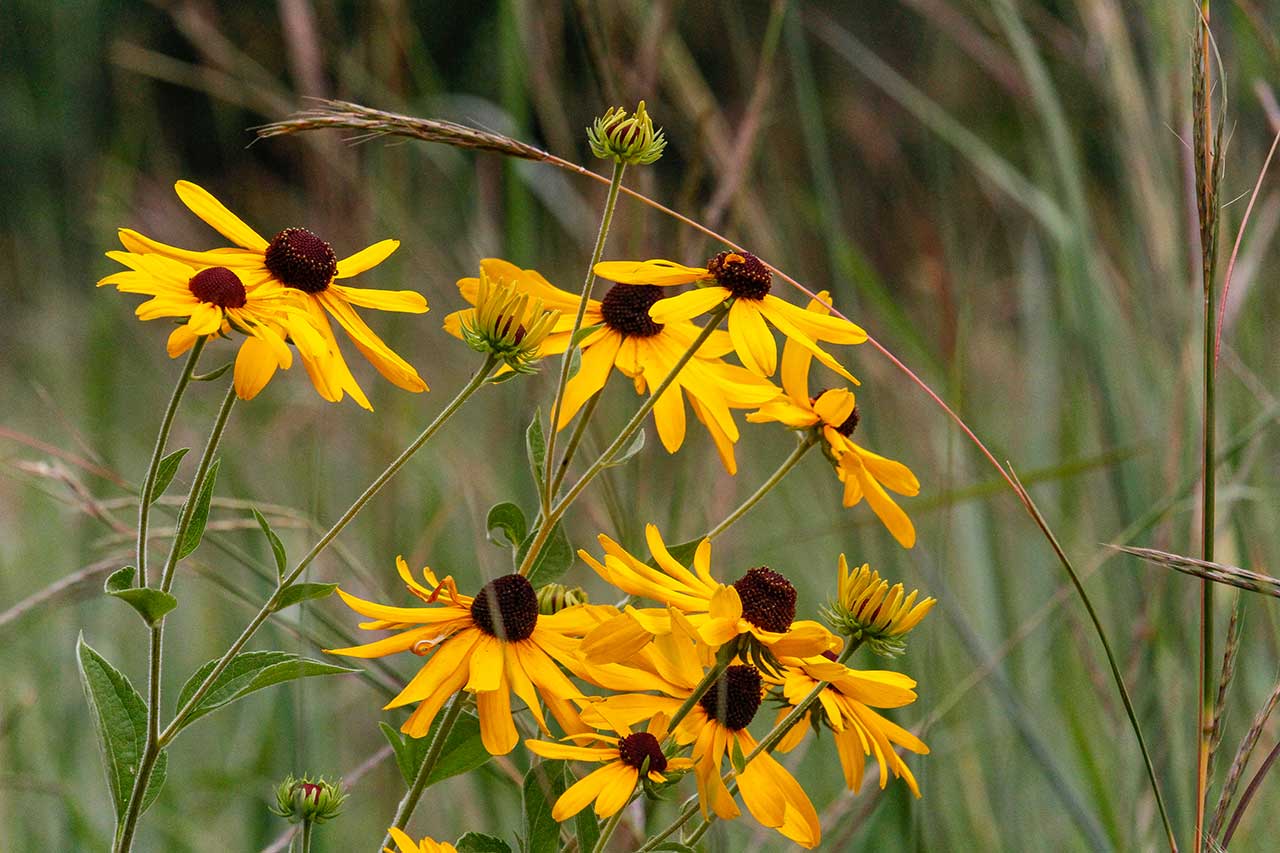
point(743, 277)
point(834, 414)
point(867, 610)
point(625, 756)
point(216, 301)
point(508, 325)
point(716, 726)
point(759, 606)
point(844, 706)
point(405, 844)
point(627, 338)
point(298, 259)
point(492, 645)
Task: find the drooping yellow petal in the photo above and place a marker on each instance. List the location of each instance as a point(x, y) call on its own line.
point(497, 729)
point(255, 365)
point(687, 305)
point(402, 301)
point(580, 794)
point(835, 406)
point(215, 214)
point(817, 325)
point(659, 272)
point(593, 372)
point(618, 783)
point(752, 339)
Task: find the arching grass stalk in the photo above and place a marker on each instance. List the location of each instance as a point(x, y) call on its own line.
point(556, 512)
point(589, 280)
point(128, 825)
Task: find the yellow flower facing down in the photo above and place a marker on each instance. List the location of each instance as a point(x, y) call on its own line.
point(623, 757)
point(405, 844)
point(845, 707)
point(492, 645)
point(716, 726)
point(760, 605)
point(297, 259)
point(645, 351)
point(744, 278)
point(834, 413)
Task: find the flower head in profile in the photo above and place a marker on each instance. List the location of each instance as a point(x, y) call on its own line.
point(744, 278)
point(492, 645)
point(716, 726)
point(833, 413)
point(626, 756)
point(844, 706)
point(623, 336)
point(297, 259)
point(626, 139)
point(507, 324)
point(405, 844)
point(307, 799)
point(217, 301)
point(867, 610)
point(756, 612)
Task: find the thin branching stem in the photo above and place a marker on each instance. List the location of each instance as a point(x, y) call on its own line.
point(806, 443)
point(575, 439)
point(411, 797)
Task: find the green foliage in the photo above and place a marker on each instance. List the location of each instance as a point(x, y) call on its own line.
point(463, 749)
point(277, 547)
point(625, 454)
point(543, 785)
point(166, 471)
point(249, 672)
point(200, 514)
point(508, 519)
point(299, 592)
point(535, 443)
point(553, 559)
point(150, 603)
point(475, 842)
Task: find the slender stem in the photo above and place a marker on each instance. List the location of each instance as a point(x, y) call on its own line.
point(804, 446)
point(267, 609)
point(307, 827)
point(128, 825)
point(589, 280)
point(575, 438)
point(554, 514)
point(405, 810)
point(689, 810)
point(1249, 791)
point(606, 832)
point(700, 689)
point(162, 440)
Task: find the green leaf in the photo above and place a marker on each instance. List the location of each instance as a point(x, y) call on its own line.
point(585, 332)
point(463, 750)
point(249, 672)
point(509, 519)
point(737, 758)
point(637, 443)
point(475, 842)
point(543, 785)
point(682, 553)
point(213, 374)
point(575, 361)
point(553, 560)
point(277, 547)
point(499, 378)
point(200, 516)
point(535, 444)
point(120, 719)
point(152, 604)
point(119, 580)
point(587, 828)
point(674, 847)
point(299, 592)
point(166, 471)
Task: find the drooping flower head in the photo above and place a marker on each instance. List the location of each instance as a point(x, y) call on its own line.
point(744, 278)
point(492, 645)
point(867, 610)
point(625, 337)
point(300, 260)
point(834, 414)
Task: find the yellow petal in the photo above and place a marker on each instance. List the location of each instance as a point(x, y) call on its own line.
point(255, 365)
point(202, 203)
point(687, 305)
point(402, 301)
point(579, 794)
point(835, 405)
point(752, 339)
point(497, 729)
point(366, 259)
point(593, 372)
point(658, 272)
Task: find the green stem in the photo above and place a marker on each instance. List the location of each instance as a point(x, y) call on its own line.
point(267, 609)
point(162, 440)
point(307, 827)
point(405, 810)
point(589, 280)
point(606, 832)
point(804, 446)
point(554, 514)
point(700, 689)
point(575, 439)
point(128, 825)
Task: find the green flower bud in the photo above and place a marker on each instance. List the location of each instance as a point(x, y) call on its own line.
point(315, 801)
point(555, 597)
point(629, 140)
point(866, 608)
point(508, 324)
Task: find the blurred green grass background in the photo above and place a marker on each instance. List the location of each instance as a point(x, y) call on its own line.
point(999, 191)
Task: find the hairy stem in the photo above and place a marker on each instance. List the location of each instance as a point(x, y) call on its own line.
point(575, 439)
point(804, 446)
point(405, 810)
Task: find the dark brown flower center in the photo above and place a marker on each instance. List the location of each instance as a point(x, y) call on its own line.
point(742, 273)
point(635, 748)
point(735, 697)
point(768, 599)
point(301, 260)
point(850, 423)
point(626, 309)
point(506, 608)
point(218, 286)
point(831, 656)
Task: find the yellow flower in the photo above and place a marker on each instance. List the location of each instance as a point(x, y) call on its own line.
point(491, 645)
point(216, 301)
point(742, 276)
point(760, 605)
point(623, 758)
point(716, 725)
point(846, 705)
point(298, 259)
point(644, 350)
point(834, 413)
point(405, 844)
point(868, 610)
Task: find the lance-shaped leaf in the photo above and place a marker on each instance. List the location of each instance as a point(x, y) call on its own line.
point(535, 445)
point(553, 560)
point(166, 471)
point(277, 547)
point(463, 749)
point(298, 592)
point(200, 515)
point(625, 454)
point(249, 672)
point(543, 785)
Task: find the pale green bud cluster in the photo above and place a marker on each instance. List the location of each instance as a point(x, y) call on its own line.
point(508, 325)
point(555, 597)
point(629, 140)
point(314, 801)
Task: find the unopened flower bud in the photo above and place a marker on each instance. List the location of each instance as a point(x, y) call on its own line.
point(867, 609)
point(555, 597)
point(508, 324)
point(629, 140)
point(305, 799)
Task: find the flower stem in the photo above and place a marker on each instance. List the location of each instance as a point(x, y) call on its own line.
point(606, 832)
point(579, 430)
point(405, 810)
point(162, 440)
point(553, 515)
point(128, 825)
point(804, 446)
point(589, 280)
point(307, 827)
point(269, 607)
